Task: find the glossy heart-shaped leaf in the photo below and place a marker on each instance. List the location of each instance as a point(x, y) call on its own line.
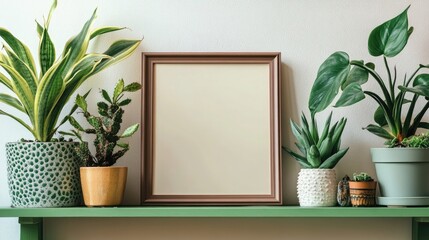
point(390, 38)
point(351, 94)
point(333, 71)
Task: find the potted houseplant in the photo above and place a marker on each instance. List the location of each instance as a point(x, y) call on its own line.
point(319, 153)
point(362, 190)
point(395, 98)
point(43, 173)
point(103, 184)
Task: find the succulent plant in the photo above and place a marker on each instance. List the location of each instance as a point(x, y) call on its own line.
point(416, 141)
point(362, 177)
point(105, 127)
point(41, 95)
point(318, 150)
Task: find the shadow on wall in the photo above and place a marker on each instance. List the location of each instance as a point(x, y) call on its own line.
point(288, 111)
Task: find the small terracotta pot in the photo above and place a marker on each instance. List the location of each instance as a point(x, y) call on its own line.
point(103, 186)
point(362, 194)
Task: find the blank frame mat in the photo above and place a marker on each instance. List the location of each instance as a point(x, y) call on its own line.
point(212, 131)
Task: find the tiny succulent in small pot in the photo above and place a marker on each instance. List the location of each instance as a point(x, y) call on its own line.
point(338, 72)
point(105, 127)
point(103, 184)
point(362, 177)
point(362, 190)
point(319, 153)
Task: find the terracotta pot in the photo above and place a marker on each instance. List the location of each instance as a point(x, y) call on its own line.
point(103, 186)
point(362, 194)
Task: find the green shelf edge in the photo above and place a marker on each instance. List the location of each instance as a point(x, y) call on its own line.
point(238, 212)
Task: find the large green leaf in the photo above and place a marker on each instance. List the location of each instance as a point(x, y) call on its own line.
point(379, 117)
point(357, 75)
point(50, 89)
point(19, 121)
point(6, 81)
point(104, 30)
point(78, 45)
point(390, 38)
point(21, 89)
point(20, 49)
point(325, 130)
point(334, 159)
point(23, 69)
point(332, 73)
point(118, 51)
point(421, 79)
point(422, 90)
point(379, 131)
point(11, 101)
point(46, 52)
point(80, 73)
point(351, 94)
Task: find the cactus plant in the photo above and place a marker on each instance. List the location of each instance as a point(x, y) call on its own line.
point(105, 127)
point(362, 177)
point(318, 150)
point(41, 95)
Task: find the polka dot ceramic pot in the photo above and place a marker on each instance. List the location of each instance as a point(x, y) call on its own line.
point(43, 174)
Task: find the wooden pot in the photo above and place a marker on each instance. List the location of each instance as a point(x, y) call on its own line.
point(362, 194)
point(103, 186)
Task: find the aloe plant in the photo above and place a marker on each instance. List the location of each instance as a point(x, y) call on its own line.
point(42, 92)
point(396, 97)
point(318, 150)
point(105, 127)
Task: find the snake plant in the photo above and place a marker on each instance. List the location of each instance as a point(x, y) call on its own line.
point(318, 150)
point(42, 91)
point(395, 96)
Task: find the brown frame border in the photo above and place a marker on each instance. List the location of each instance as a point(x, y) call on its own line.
point(149, 59)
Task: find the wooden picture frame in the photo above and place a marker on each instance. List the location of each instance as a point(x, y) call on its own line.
point(211, 129)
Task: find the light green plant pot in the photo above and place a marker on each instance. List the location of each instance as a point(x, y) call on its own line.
point(43, 174)
point(403, 176)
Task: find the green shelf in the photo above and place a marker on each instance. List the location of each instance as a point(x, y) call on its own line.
point(238, 212)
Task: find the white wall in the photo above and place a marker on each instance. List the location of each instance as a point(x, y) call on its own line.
point(306, 32)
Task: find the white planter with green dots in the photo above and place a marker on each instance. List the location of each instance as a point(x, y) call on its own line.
point(43, 174)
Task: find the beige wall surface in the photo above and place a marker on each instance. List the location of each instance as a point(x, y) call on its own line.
point(305, 32)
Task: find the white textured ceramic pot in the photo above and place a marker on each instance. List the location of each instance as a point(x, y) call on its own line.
point(317, 187)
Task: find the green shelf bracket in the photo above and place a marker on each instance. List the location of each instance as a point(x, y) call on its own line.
point(31, 228)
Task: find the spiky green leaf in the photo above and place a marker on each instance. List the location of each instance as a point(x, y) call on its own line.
point(46, 52)
point(20, 49)
point(379, 131)
point(23, 69)
point(104, 30)
point(11, 101)
point(332, 161)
